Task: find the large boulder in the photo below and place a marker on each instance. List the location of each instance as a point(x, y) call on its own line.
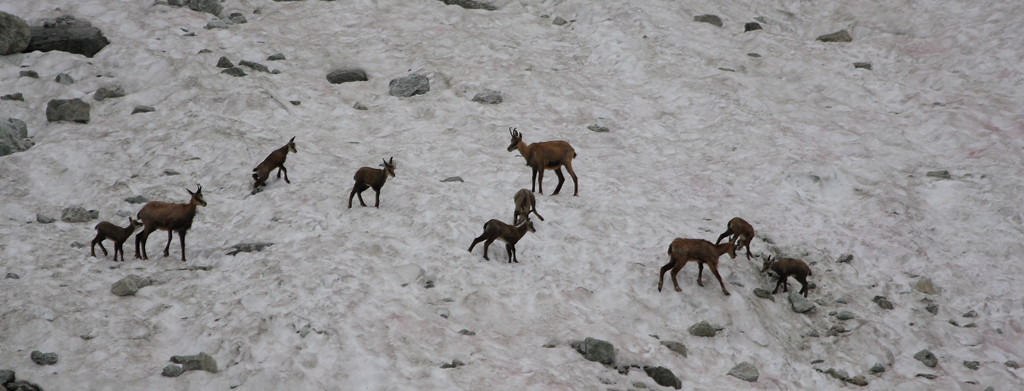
point(208, 6)
point(13, 133)
point(745, 371)
point(664, 377)
point(799, 303)
point(14, 34)
point(78, 214)
point(596, 350)
point(74, 110)
point(128, 286)
point(413, 84)
point(109, 91)
point(74, 37)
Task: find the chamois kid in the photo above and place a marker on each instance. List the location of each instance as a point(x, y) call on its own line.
point(788, 267)
point(742, 233)
point(276, 160)
point(168, 217)
point(367, 177)
point(548, 155)
point(525, 203)
point(510, 234)
point(701, 251)
point(105, 230)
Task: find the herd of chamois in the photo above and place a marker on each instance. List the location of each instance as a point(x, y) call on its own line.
point(540, 156)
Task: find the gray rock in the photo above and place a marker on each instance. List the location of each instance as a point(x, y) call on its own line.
point(883, 302)
point(295, 102)
point(835, 330)
point(77, 244)
point(1012, 364)
point(973, 365)
point(837, 373)
point(14, 96)
point(128, 286)
point(877, 368)
point(838, 36)
point(559, 21)
point(443, 312)
point(6, 377)
point(927, 358)
point(237, 18)
point(843, 300)
point(12, 276)
point(763, 293)
point(814, 334)
point(452, 179)
point(75, 37)
point(862, 65)
point(845, 258)
point(208, 6)
point(216, 24)
point(702, 329)
point(707, 18)
point(172, 370)
point(64, 78)
point(454, 364)
point(74, 110)
point(799, 303)
point(21, 385)
point(470, 4)
point(938, 174)
point(858, 380)
point(31, 74)
point(44, 358)
point(751, 26)
point(177, 3)
point(598, 129)
point(845, 315)
point(359, 106)
point(234, 71)
point(143, 109)
point(201, 361)
point(171, 171)
point(109, 91)
point(276, 57)
point(971, 314)
point(407, 86)
point(754, 55)
point(13, 133)
point(75, 214)
point(989, 388)
point(14, 34)
point(933, 308)
point(925, 286)
point(674, 346)
point(223, 62)
point(926, 376)
point(970, 325)
point(596, 350)
point(137, 200)
point(466, 332)
point(488, 97)
point(255, 66)
point(744, 371)
point(339, 76)
point(249, 247)
point(954, 323)
point(664, 377)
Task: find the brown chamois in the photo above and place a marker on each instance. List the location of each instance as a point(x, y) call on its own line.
point(105, 230)
point(702, 251)
point(548, 155)
point(168, 217)
point(525, 203)
point(496, 230)
point(276, 160)
point(742, 233)
point(788, 267)
point(367, 177)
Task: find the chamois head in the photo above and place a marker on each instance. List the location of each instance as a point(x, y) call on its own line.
point(389, 167)
point(528, 224)
point(291, 145)
point(516, 139)
point(197, 197)
point(767, 264)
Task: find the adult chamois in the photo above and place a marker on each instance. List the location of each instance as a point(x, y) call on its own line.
point(548, 155)
point(276, 160)
point(368, 177)
point(702, 251)
point(742, 233)
point(168, 217)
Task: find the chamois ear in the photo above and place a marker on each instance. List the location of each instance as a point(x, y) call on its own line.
point(189, 191)
point(392, 160)
point(292, 140)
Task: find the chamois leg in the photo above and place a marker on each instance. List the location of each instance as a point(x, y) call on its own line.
point(661, 276)
point(747, 245)
point(510, 250)
point(778, 284)
point(728, 232)
point(478, 240)
point(99, 240)
point(376, 203)
point(181, 237)
point(534, 212)
point(141, 239)
point(534, 182)
point(700, 272)
point(575, 184)
point(714, 269)
point(167, 248)
point(350, 195)
point(804, 287)
point(486, 245)
point(561, 180)
point(285, 173)
point(675, 271)
point(118, 247)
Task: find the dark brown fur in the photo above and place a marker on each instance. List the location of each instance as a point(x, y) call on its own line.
point(742, 233)
point(702, 251)
point(168, 217)
point(367, 177)
point(525, 203)
point(497, 230)
point(276, 160)
point(548, 155)
point(788, 267)
point(105, 230)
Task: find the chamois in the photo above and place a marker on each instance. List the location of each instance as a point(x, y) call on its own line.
point(168, 217)
point(367, 177)
point(548, 155)
point(275, 160)
point(742, 233)
point(788, 267)
point(105, 230)
point(525, 203)
point(509, 234)
point(702, 251)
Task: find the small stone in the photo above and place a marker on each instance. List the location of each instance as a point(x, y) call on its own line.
point(454, 364)
point(639, 385)
point(237, 18)
point(234, 71)
point(837, 373)
point(6, 377)
point(814, 334)
point(763, 293)
point(989, 388)
point(862, 65)
point(883, 302)
point(858, 380)
point(933, 308)
point(954, 323)
point(751, 26)
point(799, 303)
point(77, 244)
point(1011, 364)
point(744, 371)
point(339, 76)
point(359, 106)
point(466, 332)
point(21, 385)
point(925, 286)
point(488, 97)
point(276, 57)
point(664, 377)
point(172, 370)
point(926, 375)
point(845, 258)
point(938, 174)
point(44, 219)
point(835, 330)
point(64, 78)
point(970, 325)
point(428, 284)
point(75, 214)
point(558, 21)
point(407, 86)
point(971, 314)
point(143, 109)
point(702, 329)
point(594, 349)
point(674, 346)
point(754, 55)
point(109, 91)
point(44, 358)
point(12, 276)
point(927, 358)
point(201, 361)
point(137, 200)
point(452, 179)
point(249, 247)
point(128, 286)
point(255, 66)
point(845, 315)
point(443, 312)
point(877, 368)
point(170, 171)
point(972, 365)
point(216, 24)
point(224, 63)
point(838, 36)
point(707, 18)
point(31, 74)
point(14, 96)
point(598, 129)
